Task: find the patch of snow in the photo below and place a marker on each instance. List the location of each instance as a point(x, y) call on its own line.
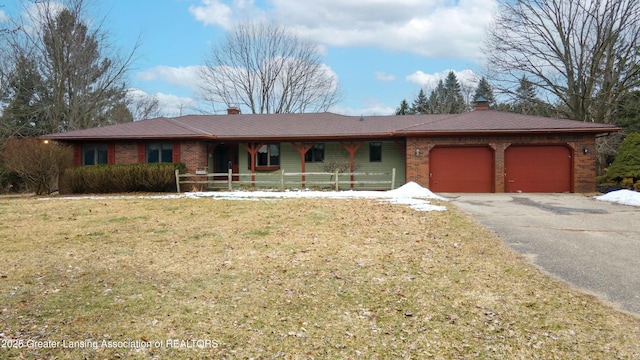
point(413, 190)
point(410, 194)
point(417, 204)
point(624, 197)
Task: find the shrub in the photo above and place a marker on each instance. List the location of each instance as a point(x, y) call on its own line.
point(122, 178)
point(627, 162)
point(10, 181)
point(38, 163)
point(626, 183)
point(636, 186)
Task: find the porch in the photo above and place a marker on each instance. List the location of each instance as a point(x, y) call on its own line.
point(364, 164)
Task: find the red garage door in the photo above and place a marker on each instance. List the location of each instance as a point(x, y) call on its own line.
point(461, 169)
point(537, 169)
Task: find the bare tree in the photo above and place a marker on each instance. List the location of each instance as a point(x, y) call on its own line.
point(582, 55)
point(143, 106)
point(6, 67)
point(83, 77)
point(262, 67)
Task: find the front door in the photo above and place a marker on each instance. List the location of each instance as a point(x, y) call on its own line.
point(225, 157)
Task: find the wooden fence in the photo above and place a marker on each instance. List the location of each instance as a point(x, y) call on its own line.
point(282, 180)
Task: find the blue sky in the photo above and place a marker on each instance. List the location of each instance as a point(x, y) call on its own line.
point(382, 51)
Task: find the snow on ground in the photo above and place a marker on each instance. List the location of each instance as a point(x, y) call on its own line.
point(410, 194)
point(624, 197)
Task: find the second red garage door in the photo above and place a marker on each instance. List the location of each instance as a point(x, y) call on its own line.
point(461, 169)
point(537, 169)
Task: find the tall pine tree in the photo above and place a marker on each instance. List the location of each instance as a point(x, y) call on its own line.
point(453, 99)
point(403, 109)
point(526, 101)
point(25, 88)
point(447, 97)
point(484, 89)
point(420, 105)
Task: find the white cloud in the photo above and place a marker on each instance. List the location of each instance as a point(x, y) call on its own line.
point(172, 105)
point(212, 12)
point(218, 13)
point(3, 17)
point(371, 107)
point(434, 28)
point(187, 76)
point(382, 76)
point(430, 81)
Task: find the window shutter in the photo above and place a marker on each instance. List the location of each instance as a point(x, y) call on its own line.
point(142, 153)
point(176, 152)
point(77, 155)
point(111, 154)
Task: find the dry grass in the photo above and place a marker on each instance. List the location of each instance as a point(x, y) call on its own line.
point(283, 279)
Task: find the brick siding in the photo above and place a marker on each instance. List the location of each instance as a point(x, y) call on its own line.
point(194, 155)
point(126, 153)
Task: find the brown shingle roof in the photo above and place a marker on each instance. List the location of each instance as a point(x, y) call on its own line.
point(328, 125)
point(500, 122)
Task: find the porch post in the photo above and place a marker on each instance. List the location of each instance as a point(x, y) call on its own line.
point(253, 148)
point(352, 147)
point(302, 150)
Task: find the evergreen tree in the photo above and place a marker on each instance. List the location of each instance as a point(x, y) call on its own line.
point(24, 89)
point(629, 113)
point(627, 162)
point(527, 102)
point(420, 105)
point(454, 101)
point(484, 89)
point(447, 97)
point(403, 109)
point(436, 99)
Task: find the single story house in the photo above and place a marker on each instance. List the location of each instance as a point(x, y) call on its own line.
point(478, 151)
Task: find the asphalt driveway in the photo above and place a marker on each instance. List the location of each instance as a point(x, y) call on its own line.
point(591, 244)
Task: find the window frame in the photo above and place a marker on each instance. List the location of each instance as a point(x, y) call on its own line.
point(98, 149)
point(315, 154)
point(269, 164)
point(165, 150)
point(378, 158)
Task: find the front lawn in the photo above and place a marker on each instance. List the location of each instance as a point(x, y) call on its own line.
point(292, 278)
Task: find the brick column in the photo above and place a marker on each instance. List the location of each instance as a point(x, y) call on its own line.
point(417, 161)
point(498, 151)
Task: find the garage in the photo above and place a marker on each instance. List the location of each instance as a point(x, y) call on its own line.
point(537, 168)
point(461, 169)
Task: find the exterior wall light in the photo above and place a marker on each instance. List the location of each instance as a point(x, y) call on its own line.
point(585, 150)
point(417, 152)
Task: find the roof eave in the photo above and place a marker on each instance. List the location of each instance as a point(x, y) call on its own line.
point(506, 132)
point(126, 138)
point(306, 137)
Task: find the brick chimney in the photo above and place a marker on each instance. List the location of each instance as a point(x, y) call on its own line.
point(481, 104)
point(233, 110)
